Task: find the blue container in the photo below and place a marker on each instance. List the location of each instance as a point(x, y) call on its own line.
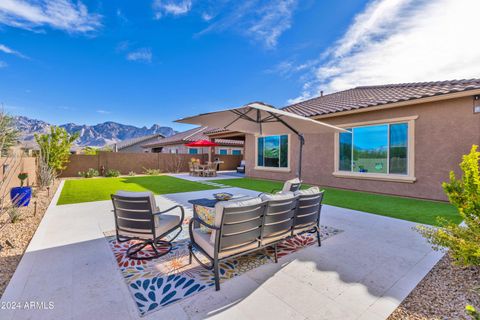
point(21, 196)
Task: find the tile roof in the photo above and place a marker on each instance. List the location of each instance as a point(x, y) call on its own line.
point(191, 135)
point(215, 130)
point(369, 96)
point(130, 142)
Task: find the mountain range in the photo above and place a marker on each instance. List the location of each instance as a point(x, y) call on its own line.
point(96, 136)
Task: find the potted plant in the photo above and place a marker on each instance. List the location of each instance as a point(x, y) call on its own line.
point(21, 196)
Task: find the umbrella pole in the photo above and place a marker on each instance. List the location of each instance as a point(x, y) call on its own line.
point(302, 142)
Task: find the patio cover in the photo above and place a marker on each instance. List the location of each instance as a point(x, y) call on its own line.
point(261, 119)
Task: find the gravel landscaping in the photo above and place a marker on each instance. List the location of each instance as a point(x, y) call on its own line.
point(442, 294)
point(20, 233)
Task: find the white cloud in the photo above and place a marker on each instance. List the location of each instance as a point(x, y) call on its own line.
point(171, 7)
point(103, 111)
point(401, 41)
point(142, 54)
point(207, 16)
point(264, 21)
point(8, 50)
point(274, 19)
point(122, 46)
point(121, 16)
point(59, 14)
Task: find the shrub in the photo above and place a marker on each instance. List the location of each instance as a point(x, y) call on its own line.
point(112, 173)
point(90, 173)
point(462, 240)
point(46, 174)
point(14, 211)
point(132, 173)
point(151, 172)
point(472, 312)
point(22, 176)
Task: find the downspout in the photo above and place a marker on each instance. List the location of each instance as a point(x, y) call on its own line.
point(302, 142)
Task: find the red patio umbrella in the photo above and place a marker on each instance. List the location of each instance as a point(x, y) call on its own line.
point(201, 144)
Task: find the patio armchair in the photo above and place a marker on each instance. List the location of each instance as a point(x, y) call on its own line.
point(197, 171)
point(236, 231)
point(307, 213)
point(291, 185)
point(241, 167)
point(211, 170)
point(138, 218)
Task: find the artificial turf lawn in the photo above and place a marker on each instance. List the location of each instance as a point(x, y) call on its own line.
point(96, 189)
point(421, 211)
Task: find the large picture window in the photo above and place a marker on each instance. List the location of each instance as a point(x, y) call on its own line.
point(272, 151)
point(381, 149)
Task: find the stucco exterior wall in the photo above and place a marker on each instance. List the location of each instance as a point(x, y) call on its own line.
point(444, 131)
point(16, 166)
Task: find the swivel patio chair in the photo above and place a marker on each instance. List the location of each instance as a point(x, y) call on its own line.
point(138, 218)
point(291, 185)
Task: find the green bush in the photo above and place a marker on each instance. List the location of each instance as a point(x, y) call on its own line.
point(463, 241)
point(112, 173)
point(151, 172)
point(472, 312)
point(90, 173)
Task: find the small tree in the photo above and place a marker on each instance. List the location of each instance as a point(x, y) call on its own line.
point(90, 151)
point(8, 133)
point(56, 145)
point(462, 240)
point(10, 157)
point(46, 174)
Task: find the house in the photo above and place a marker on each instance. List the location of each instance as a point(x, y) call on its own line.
point(403, 139)
point(135, 144)
point(176, 143)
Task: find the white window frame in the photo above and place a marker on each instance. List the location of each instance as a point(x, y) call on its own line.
point(279, 169)
point(409, 177)
point(220, 149)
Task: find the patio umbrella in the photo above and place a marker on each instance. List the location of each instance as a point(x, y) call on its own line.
point(201, 144)
point(262, 119)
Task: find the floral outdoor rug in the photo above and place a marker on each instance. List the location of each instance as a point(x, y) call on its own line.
point(160, 282)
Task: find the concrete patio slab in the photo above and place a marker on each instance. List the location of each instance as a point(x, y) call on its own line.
point(361, 273)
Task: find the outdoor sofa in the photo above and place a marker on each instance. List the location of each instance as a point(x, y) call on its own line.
point(244, 226)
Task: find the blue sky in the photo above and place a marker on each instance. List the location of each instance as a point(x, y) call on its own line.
point(145, 62)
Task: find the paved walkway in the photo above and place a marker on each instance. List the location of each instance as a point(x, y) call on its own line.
point(361, 273)
point(220, 175)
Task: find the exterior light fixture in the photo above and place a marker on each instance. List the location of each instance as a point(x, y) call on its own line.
point(476, 104)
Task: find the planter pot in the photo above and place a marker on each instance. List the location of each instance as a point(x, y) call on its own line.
point(21, 196)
